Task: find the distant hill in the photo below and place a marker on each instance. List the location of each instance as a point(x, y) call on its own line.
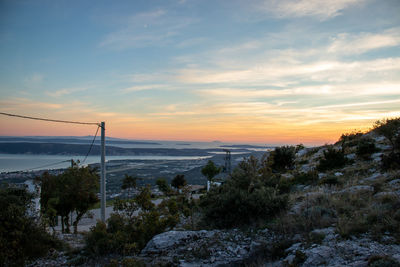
point(81, 149)
point(76, 140)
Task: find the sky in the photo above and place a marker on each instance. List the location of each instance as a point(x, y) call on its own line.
point(254, 71)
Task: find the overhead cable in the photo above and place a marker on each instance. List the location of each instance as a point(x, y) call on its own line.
point(51, 120)
point(44, 166)
point(91, 145)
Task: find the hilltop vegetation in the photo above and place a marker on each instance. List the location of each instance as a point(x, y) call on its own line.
point(334, 205)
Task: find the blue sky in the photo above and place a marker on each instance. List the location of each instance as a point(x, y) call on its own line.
point(256, 71)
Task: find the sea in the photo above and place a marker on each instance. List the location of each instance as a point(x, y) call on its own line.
point(30, 162)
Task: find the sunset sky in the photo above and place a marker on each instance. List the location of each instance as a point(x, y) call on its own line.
point(263, 71)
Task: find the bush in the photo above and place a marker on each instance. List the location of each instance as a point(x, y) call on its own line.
point(332, 159)
point(349, 139)
point(360, 213)
point(382, 261)
point(330, 180)
point(365, 148)
point(21, 237)
point(178, 181)
point(244, 199)
point(306, 178)
point(390, 129)
point(391, 161)
point(282, 158)
point(133, 224)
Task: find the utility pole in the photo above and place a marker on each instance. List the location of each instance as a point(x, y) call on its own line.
point(103, 173)
point(227, 161)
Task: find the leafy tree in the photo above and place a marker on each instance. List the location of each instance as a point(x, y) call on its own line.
point(209, 171)
point(163, 186)
point(178, 181)
point(84, 186)
point(128, 183)
point(21, 237)
point(75, 190)
point(282, 158)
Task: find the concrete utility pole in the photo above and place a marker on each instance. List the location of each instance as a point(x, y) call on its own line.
point(103, 173)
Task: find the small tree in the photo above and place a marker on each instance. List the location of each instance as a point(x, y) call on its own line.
point(209, 171)
point(75, 190)
point(179, 181)
point(163, 186)
point(128, 183)
point(283, 158)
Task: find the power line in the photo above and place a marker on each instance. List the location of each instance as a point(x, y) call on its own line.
point(44, 166)
point(44, 119)
point(91, 145)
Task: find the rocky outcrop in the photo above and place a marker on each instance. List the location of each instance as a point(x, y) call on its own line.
point(203, 248)
point(336, 252)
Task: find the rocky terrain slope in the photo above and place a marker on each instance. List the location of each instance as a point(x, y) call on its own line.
point(337, 216)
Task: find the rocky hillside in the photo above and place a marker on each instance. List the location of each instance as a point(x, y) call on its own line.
point(343, 210)
point(338, 216)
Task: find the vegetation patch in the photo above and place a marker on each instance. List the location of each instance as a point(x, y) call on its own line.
point(244, 199)
point(22, 238)
point(333, 159)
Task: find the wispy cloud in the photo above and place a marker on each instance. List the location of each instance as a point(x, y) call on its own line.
point(315, 71)
point(360, 43)
point(138, 88)
point(65, 91)
point(358, 89)
point(319, 9)
point(20, 104)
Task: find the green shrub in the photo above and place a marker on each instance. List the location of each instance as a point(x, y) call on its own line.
point(350, 139)
point(133, 224)
point(391, 161)
point(365, 148)
point(352, 225)
point(306, 178)
point(332, 159)
point(390, 129)
point(98, 240)
point(130, 262)
point(316, 238)
point(244, 199)
point(382, 261)
point(283, 158)
point(316, 212)
point(360, 213)
point(21, 237)
point(330, 180)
